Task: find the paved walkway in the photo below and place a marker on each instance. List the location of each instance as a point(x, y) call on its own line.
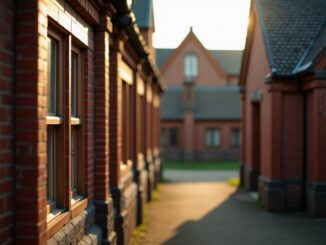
point(200, 208)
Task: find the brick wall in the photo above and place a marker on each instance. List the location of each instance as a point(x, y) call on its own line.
point(6, 118)
point(31, 76)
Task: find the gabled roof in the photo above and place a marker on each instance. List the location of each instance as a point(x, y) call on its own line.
point(221, 103)
point(293, 32)
point(143, 10)
point(229, 60)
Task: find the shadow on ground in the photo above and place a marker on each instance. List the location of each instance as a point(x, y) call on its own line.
point(239, 220)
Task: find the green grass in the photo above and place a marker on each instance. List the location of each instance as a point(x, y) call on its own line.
point(140, 232)
point(202, 165)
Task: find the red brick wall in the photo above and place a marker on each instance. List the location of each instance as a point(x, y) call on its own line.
point(31, 103)
point(6, 117)
point(208, 73)
point(102, 115)
point(198, 144)
point(258, 68)
point(316, 135)
point(225, 128)
point(292, 136)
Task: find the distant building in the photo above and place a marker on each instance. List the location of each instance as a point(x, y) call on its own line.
point(283, 79)
point(200, 111)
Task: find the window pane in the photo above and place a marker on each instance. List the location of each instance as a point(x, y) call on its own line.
point(50, 166)
point(236, 137)
point(190, 66)
point(217, 138)
point(52, 75)
point(208, 137)
point(74, 83)
point(213, 138)
point(73, 161)
point(163, 137)
point(173, 136)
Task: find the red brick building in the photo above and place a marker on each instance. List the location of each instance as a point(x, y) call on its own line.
point(79, 102)
point(200, 116)
point(283, 93)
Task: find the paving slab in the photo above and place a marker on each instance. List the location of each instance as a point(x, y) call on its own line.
point(213, 212)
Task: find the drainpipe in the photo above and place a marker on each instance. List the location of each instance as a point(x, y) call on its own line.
point(14, 121)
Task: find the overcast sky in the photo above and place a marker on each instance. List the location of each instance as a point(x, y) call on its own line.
point(219, 24)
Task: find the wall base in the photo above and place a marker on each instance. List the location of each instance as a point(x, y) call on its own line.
point(316, 199)
point(81, 229)
point(125, 208)
point(250, 177)
point(140, 178)
point(105, 219)
point(281, 195)
point(241, 174)
point(150, 179)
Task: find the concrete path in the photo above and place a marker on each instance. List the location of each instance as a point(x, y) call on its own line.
point(212, 212)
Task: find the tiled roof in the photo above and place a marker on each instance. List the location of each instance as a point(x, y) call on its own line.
point(171, 104)
point(230, 60)
point(210, 104)
point(318, 47)
point(143, 11)
point(290, 28)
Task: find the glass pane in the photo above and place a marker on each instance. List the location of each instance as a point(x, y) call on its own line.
point(217, 140)
point(52, 75)
point(73, 161)
point(50, 166)
point(208, 137)
point(236, 137)
point(173, 136)
point(74, 83)
point(163, 136)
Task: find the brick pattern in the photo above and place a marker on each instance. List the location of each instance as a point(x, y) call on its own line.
point(102, 115)
point(31, 103)
point(89, 124)
point(115, 152)
point(23, 129)
point(6, 117)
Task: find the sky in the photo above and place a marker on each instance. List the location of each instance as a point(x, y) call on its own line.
point(219, 24)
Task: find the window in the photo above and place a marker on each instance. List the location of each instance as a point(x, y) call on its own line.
point(64, 123)
point(163, 137)
point(236, 137)
point(52, 75)
point(190, 67)
point(53, 122)
point(51, 169)
point(213, 138)
point(173, 136)
point(76, 167)
point(126, 122)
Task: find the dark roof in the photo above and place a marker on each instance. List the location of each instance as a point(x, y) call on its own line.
point(230, 60)
point(171, 104)
point(290, 28)
point(210, 104)
point(317, 48)
point(162, 54)
point(143, 10)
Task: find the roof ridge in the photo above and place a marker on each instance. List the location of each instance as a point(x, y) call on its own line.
point(300, 64)
point(265, 36)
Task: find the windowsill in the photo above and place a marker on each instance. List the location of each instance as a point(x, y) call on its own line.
point(76, 199)
point(53, 214)
point(57, 223)
point(78, 206)
point(212, 147)
point(53, 120)
point(75, 121)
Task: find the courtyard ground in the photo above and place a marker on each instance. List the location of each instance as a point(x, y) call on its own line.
point(200, 207)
